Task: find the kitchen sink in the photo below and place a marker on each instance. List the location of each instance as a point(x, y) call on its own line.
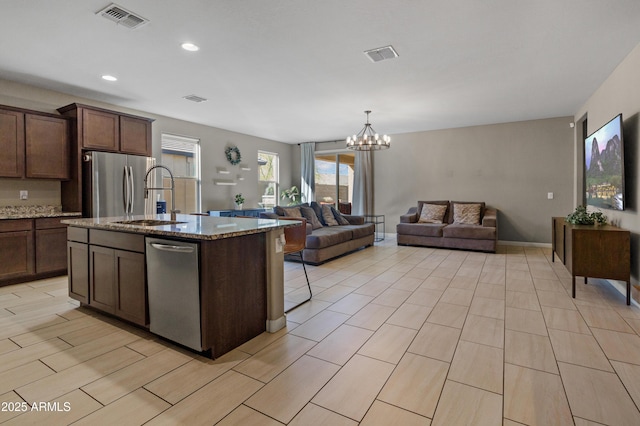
point(149, 222)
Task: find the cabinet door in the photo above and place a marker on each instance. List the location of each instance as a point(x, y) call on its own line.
point(130, 287)
point(11, 144)
point(47, 147)
point(51, 253)
point(16, 254)
point(135, 136)
point(100, 130)
point(78, 261)
point(102, 278)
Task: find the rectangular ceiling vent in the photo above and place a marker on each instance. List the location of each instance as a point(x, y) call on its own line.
point(122, 16)
point(381, 53)
point(194, 98)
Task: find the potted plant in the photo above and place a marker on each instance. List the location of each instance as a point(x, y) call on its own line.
point(239, 201)
point(292, 194)
point(582, 217)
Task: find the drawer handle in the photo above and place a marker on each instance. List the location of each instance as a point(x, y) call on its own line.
point(167, 247)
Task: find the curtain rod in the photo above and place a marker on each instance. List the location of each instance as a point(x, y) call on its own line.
point(339, 140)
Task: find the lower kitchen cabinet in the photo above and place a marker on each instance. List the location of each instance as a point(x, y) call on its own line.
point(78, 261)
point(16, 249)
point(50, 245)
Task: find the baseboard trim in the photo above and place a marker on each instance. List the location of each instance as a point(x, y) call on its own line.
point(523, 244)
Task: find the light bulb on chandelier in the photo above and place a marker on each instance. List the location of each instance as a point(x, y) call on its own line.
point(368, 139)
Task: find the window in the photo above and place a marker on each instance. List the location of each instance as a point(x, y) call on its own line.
point(268, 177)
point(182, 156)
point(334, 179)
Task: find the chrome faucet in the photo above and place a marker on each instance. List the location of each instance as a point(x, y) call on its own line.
point(172, 189)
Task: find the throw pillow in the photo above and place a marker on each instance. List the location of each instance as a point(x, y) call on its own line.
point(339, 218)
point(432, 213)
point(327, 215)
point(311, 217)
point(292, 211)
point(468, 214)
point(318, 209)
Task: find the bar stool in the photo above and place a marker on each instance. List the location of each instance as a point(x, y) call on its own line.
point(296, 240)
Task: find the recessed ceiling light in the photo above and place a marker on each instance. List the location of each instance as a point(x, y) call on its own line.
point(109, 78)
point(190, 47)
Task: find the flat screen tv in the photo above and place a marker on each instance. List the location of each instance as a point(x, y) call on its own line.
point(604, 166)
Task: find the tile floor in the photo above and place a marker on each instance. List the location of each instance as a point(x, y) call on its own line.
point(393, 335)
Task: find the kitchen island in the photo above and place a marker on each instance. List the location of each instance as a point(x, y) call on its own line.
point(240, 273)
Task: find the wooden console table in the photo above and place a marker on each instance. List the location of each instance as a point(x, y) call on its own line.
point(596, 251)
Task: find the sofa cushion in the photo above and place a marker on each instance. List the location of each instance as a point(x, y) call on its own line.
point(359, 231)
point(318, 209)
point(437, 203)
point(328, 216)
point(432, 213)
point(292, 211)
point(338, 216)
point(471, 232)
point(311, 217)
point(280, 210)
point(468, 214)
point(328, 236)
point(421, 229)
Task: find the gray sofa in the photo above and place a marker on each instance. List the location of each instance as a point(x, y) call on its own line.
point(448, 234)
point(327, 242)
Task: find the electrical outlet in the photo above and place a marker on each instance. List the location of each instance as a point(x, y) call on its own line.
point(549, 195)
point(24, 195)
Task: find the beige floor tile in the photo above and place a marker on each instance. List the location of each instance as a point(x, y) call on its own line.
point(381, 414)
point(465, 405)
point(79, 403)
point(149, 345)
point(555, 300)
point(13, 405)
point(244, 415)
point(333, 294)
point(117, 384)
point(565, 319)
point(22, 375)
point(436, 341)
point(354, 388)
point(551, 285)
point(449, 315)
point(435, 283)
point(619, 346)
point(408, 283)
point(273, 359)
point(289, 392)
point(634, 323)
point(468, 357)
point(183, 381)
point(484, 330)
point(425, 297)
point(371, 316)
point(579, 349)
point(417, 272)
point(582, 422)
point(320, 326)
point(463, 282)
point(523, 286)
point(339, 346)
point(416, 384)
point(410, 316)
point(23, 356)
point(522, 274)
point(313, 415)
point(493, 276)
point(88, 334)
point(630, 376)
point(526, 321)
point(58, 384)
point(389, 343)
point(442, 272)
point(534, 397)
point(457, 296)
point(351, 303)
point(373, 288)
point(17, 324)
point(52, 331)
point(492, 308)
point(630, 311)
point(529, 350)
point(491, 291)
point(604, 318)
point(598, 396)
point(522, 300)
point(7, 345)
point(135, 408)
point(263, 340)
point(307, 310)
point(392, 297)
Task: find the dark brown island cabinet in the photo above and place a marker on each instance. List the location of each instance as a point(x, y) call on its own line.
point(33, 145)
point(596, 251)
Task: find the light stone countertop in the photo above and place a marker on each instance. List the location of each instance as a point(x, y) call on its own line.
point(33, 212)
point(193, 227)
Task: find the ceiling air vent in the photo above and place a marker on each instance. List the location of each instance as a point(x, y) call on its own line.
point(122, 16)
point(381, 53)
point(194, 98)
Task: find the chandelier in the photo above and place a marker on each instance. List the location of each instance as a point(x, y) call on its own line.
point(368, 139)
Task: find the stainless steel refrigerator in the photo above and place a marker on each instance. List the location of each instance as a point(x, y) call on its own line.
point(113, 184)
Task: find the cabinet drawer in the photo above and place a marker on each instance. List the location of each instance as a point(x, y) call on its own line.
point(50, 222)
point(119, 240)
point(16, 225)
point(80, 235)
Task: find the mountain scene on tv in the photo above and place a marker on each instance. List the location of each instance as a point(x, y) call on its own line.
point(604, 181)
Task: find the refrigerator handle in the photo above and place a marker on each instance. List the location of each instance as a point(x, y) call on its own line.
point(131, 192)
point(125, 190)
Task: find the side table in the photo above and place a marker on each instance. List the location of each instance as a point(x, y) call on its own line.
point(377, 220)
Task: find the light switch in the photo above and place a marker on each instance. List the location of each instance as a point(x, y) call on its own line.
point(549, 195)
point(24, 195)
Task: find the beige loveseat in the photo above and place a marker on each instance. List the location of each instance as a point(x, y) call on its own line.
point(326, 242)
point(450, 233)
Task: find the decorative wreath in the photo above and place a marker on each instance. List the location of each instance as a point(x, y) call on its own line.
point(233, 155)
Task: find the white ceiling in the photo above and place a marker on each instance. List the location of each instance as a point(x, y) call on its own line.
point(294, 70)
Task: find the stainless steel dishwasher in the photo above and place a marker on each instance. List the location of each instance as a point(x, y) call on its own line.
point(174, 291)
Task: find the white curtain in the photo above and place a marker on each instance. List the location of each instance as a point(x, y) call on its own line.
point(363, 183)
point(307, 171)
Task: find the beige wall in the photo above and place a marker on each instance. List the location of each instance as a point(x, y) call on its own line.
point(620, 93)
point(509, 166)
point(213, 142)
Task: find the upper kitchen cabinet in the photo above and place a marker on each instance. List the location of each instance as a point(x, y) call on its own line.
point(33, 145)
point(103, 130)
point(11, 143)
point(47, 147)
